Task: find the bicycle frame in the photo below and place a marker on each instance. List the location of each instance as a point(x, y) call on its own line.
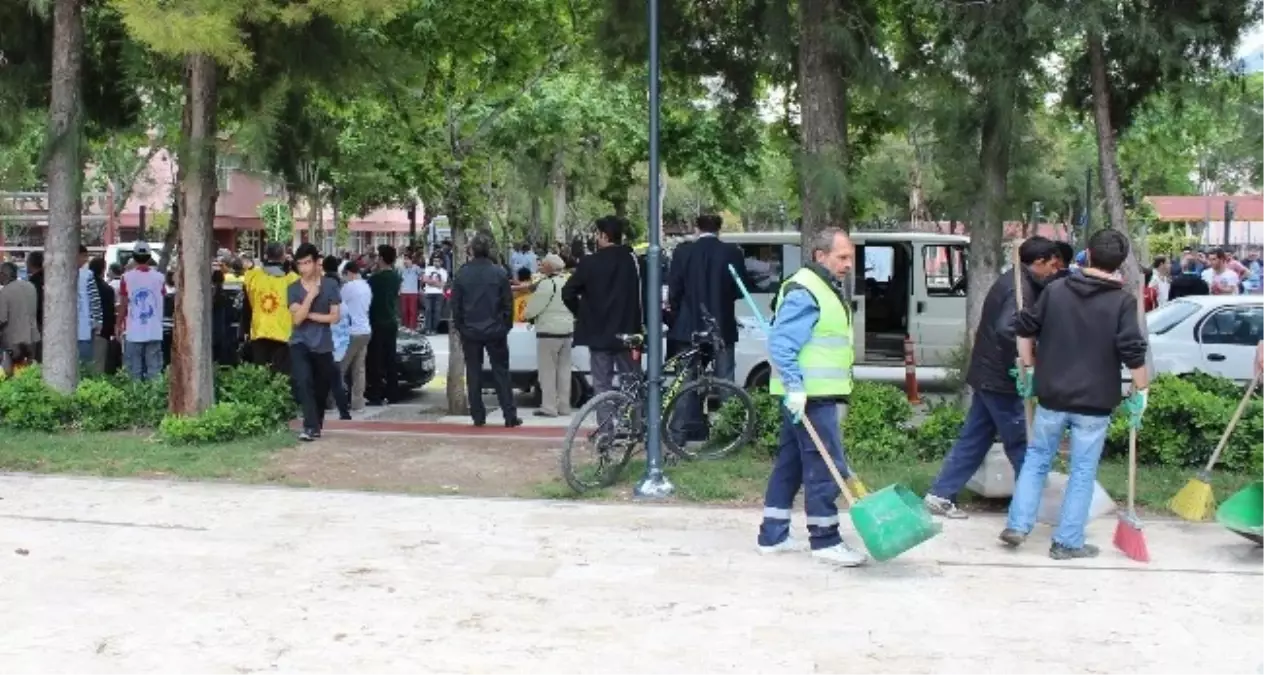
point(687, 365)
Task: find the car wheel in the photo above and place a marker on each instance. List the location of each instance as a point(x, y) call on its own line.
point(580, 391)
point(759, 378)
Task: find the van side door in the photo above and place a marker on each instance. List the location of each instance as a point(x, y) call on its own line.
point(937, 315)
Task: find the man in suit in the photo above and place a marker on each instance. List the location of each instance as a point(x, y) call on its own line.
point(699, 280)
point(699, 284)
point(606, 295)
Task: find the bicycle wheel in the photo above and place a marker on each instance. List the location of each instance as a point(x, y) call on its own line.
point(694, 427)
point(600, 441)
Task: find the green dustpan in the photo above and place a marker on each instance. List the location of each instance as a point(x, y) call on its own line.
point(889, 521)
point(892, 521)
point(1244, 512)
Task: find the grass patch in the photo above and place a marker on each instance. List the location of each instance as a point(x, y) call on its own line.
point(137, 454)
point(741, 479)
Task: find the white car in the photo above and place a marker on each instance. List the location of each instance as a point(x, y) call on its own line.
point(1216, 334)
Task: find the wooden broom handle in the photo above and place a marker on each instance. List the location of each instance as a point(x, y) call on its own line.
point(1132, 430)
point(1016, 263)
point(1233, 422)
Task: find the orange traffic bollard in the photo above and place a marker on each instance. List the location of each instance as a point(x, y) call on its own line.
point(910, 371)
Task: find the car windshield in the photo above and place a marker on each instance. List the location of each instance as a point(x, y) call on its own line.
point(1166, 318)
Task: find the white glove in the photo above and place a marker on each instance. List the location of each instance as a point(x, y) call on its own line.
point(797, 403)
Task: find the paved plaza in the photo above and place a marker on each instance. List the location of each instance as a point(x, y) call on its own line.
point(101, 576)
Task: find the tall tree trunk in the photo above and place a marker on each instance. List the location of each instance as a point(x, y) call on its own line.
point(557, 183)
point(823, 107)
point(987, 227)
point(65, 182)
point(458, 400)
point(192, 370)
point(1107, 159)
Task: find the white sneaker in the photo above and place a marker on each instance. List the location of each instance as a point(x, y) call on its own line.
point(841, 555)
point(943, 507)
point(787, 545)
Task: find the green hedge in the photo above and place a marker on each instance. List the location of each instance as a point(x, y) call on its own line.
point(250, 401)
point(1184, 421)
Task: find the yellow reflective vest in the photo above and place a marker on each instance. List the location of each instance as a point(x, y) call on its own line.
point(826, 360)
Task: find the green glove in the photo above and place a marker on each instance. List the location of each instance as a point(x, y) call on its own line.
point(1135, 406)
point(1026, 386)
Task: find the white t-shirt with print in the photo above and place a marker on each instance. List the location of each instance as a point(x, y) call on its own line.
point(435, 274)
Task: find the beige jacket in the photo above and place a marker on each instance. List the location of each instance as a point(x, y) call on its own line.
point(18, 302)
point(547, 311)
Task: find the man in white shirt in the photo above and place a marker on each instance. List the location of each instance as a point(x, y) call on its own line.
point(435, 277)
point(409, 291)
point(1161, 281)
point(356, 298)
point(140, 315)
point(1220, 279)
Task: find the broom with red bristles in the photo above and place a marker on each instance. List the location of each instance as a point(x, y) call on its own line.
point(1128, 535)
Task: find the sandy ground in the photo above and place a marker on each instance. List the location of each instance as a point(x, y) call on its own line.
point(100, 576)
point(428, 465)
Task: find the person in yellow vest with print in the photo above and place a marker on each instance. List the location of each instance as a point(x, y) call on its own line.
point(267, 288)
point(810, 346)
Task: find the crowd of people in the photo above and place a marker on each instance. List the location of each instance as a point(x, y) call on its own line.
point(1210, 272)
point(585, 295)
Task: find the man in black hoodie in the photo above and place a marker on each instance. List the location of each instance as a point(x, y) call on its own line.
point(605, 295)
point(996, 409)
point(1087, 326)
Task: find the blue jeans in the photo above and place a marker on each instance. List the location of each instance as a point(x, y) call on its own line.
point(143, 359)
point(85, 353)
point(1088, 435)
point(800, 464)
point(990, 415)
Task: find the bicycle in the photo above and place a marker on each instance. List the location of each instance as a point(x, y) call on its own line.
point(621, 420)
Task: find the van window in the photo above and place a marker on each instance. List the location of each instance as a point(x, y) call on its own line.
point(764, 266)
point(944, 269)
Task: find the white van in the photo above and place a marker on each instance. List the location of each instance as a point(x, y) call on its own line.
point(906, 283)
point(121, 253)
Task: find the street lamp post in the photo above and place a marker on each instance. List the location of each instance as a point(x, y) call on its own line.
point(654, 485)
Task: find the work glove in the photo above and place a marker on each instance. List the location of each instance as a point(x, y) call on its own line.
point(1026, 385)
point(1136, 404)
point(796, 402)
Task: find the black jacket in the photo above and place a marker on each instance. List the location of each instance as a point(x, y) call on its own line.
point(37, 280)
point(605, 294)
point(700, 278)
point(995, 348)
point(108, 313)
point(482, 303)
point(1187, 284)
point(1086, 328)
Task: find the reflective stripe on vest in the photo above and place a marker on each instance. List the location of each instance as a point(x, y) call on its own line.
point(827, 358)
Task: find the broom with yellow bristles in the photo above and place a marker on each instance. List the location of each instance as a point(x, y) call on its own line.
point(1196, 501)
point(858, 489)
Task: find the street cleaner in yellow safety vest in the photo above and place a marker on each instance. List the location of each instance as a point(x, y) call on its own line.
point(810, 346)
